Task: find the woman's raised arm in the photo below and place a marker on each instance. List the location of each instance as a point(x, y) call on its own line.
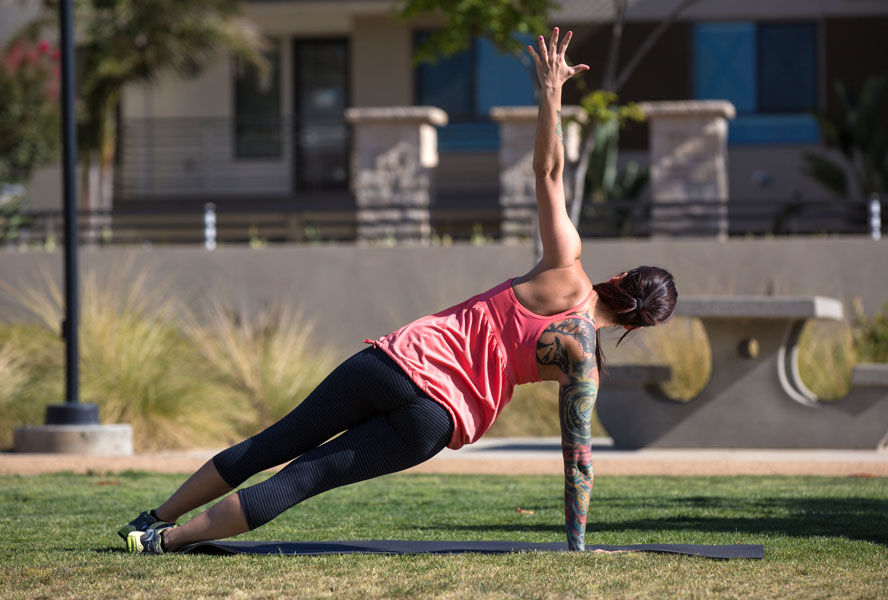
point(561, 242)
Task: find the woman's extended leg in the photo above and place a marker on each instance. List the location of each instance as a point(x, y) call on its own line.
point(368, 384)
point(205, 485)
point(338, 402)
point(384, 443)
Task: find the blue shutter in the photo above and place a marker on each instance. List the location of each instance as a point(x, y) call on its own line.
point(467, 85)
point(447, 83)
point(725, 64)
point(501, 79)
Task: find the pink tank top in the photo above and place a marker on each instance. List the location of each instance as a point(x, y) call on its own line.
point(470, 357)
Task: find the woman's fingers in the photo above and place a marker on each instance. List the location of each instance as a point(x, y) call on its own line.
point(578, 69)
point(549, 58)
point(534, 56)
point(562, 49)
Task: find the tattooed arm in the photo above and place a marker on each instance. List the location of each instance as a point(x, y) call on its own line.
point(569, 347)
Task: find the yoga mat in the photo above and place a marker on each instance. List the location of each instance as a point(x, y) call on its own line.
point(438, 547)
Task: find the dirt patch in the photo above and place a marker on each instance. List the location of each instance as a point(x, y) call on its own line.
point(188, 462)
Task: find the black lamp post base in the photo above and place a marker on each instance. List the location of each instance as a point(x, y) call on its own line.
point(72, 413)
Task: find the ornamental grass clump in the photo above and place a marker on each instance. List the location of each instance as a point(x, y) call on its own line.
point(871, 334)
point(682, 345)
point(14, 379)
point(138, 365)
point(826, 358)
point(135, 363)
point(145, 359)
point(263, 363)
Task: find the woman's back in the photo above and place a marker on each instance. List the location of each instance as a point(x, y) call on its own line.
point(469, 357)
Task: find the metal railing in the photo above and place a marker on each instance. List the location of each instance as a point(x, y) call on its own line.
point(279, 222)
point(744, 216)
point(212, 157)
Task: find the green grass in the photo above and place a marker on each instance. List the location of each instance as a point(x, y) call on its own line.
point(823, 537)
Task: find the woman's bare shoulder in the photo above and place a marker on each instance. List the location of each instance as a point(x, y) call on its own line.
point(549, 291)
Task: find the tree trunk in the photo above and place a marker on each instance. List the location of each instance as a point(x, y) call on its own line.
point(613, 53)
point(648, 43)
point(578, 189)
point(614, 85)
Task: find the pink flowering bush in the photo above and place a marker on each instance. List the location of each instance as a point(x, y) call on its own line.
point(29, 115)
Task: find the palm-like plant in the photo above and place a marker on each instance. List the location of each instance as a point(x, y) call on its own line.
point(121, 42)
point(861, 135)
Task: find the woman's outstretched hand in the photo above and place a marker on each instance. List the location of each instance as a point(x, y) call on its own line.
point(551, 66)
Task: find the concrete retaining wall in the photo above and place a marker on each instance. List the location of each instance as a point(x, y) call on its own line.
point(356, 292)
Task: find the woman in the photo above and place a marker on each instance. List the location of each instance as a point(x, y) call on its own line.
point(441, 380)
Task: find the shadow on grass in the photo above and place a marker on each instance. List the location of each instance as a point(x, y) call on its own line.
point(852, 518)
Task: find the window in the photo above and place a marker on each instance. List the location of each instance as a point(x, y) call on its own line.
point(768, 71)
point(467, 85)
point(257, 109)
point(320, 96)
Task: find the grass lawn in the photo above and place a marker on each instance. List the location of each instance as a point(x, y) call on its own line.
point(824, 538)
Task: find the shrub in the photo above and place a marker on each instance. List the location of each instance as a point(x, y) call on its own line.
point(533, 411)
point(871, 334)
point(826, 358)
point(681, 344)
point(135, 364)
point(264, 363)
point(29, 121)
point(14, 379)
point(145, 359)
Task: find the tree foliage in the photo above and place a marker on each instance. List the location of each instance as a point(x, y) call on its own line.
point(595, 176)
point(860, 134)
point(603, 180)
point(29, 116)
point(871, 334)
point(128, 41)
point(497, 20)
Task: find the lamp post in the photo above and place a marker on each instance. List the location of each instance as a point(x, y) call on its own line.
point(72, 412)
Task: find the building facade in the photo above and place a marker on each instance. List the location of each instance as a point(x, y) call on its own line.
point(230, 136)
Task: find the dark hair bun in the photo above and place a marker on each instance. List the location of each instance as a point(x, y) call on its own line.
point(644, 296)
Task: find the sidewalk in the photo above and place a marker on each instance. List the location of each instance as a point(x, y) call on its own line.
point(514, 456)
point(543, 456)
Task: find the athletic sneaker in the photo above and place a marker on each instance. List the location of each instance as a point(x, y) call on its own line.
point(143, 522)
point(147, 542)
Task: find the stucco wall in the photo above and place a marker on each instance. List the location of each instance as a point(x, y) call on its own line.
point(377, 41)
point(356, 292)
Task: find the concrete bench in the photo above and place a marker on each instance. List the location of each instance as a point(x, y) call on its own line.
point(755, 397)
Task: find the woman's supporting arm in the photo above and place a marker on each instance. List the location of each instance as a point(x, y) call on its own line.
point(569, 345)
point(575, 402)
point(561, 242)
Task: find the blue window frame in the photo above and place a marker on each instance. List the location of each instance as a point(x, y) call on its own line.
point(466, 85)
point(768, 71)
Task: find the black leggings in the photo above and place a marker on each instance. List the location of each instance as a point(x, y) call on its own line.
point(389, 424)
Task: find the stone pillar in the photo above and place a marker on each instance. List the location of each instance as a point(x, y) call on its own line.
point(689, 176)
point(517, 125)
point(394, 152)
